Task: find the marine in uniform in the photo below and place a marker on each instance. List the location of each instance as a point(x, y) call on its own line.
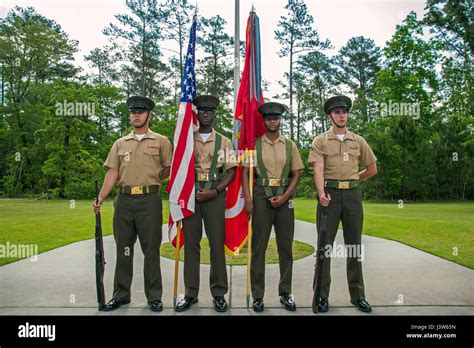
point(278, 168)
point(215, 162)
point(335, 156)
point(138, 163)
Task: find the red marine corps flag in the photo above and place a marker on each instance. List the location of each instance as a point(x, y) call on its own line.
point(248, 124)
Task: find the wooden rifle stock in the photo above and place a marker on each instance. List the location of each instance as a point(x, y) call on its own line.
point(99, 255)
point(320, 256)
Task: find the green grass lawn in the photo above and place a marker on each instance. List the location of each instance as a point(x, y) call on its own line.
point(300, 250)
point(52, 223)
point(442, 229)
point(437, 228)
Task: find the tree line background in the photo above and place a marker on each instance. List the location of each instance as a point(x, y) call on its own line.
point(48, 154)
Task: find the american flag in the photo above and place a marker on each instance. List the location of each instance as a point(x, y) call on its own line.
point(181, 184)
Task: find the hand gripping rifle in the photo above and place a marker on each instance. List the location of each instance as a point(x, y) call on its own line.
point(99, 255)
point(320, 256)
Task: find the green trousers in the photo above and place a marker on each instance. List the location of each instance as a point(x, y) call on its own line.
point(212, 213)
point(283, 219)
point(345, 207)
point(138, 215)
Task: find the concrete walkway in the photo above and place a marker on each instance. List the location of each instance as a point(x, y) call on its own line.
point(399, 280)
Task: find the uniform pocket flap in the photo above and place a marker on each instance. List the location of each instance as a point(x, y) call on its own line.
point(354, 152)
point(124, 152)
point(330, 152)
point(152, 151)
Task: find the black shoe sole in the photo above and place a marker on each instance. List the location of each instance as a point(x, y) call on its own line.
point(184, 309)
point(291, 309)
point(323, 310)
point(365, 310)
point(120, 304)
point(156, 310)
point(221, 310)
point(361, 309)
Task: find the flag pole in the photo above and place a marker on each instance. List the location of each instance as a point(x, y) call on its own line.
point(250, 233)
point(250, 230)
point(176, 263)
point(236, 52)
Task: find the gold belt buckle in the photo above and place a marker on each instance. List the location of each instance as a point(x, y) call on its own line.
point(203, 177)
point(273, 182)
point(137, 190)
point(343, 185)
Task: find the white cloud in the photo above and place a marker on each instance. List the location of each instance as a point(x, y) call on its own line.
point(336, 20)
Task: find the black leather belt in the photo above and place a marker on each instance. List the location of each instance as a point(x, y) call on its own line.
point(273, 182)
point(341, 185)
point(139, 190)
point(208, 177)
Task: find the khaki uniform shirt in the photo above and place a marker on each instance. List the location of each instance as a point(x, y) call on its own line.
point(140, 162)
point(274, 157)
point(204, 152)
point(341, 158)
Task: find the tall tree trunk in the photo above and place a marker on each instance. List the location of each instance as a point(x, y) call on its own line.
point(214, 77)
point(100, 101)
point(143, 61)
point(298, 121)
point(180, 54)
point(292, 133)
point(323, 124)
point(66, 146)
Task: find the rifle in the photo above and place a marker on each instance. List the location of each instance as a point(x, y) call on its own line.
point(320, 256)
point(99, 255)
